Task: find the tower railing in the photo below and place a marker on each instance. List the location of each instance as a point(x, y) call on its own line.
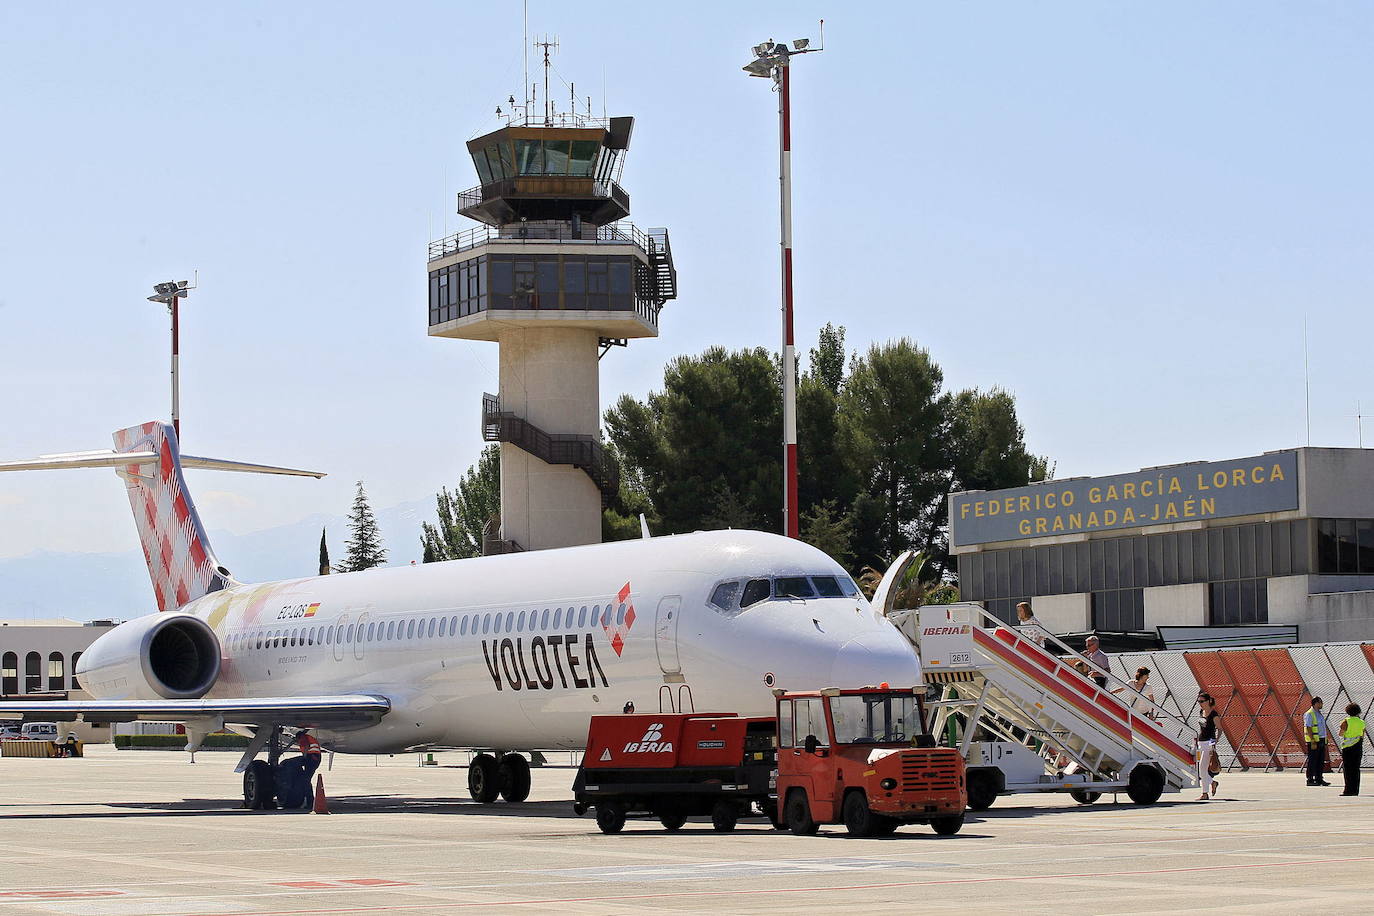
point(583, 452)
point(653, 242)
point(560, 186)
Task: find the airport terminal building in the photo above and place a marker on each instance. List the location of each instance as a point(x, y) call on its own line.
point(1286, 537)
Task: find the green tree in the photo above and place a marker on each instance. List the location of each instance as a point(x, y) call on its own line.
point(826, 528)
point(826, 360)
point(709, 445)
point(364, 544)
point(324, 554)
point(893, 422)
point(464, 512)
point(620, 520)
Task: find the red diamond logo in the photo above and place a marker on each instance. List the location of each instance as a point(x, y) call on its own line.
point(630, 617)
point(617, 643)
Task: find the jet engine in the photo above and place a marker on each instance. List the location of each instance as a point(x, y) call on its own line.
point(164, 656)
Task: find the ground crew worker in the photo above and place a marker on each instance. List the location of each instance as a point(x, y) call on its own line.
point(1314, 732)
point(310, 754)
point(1352, 748)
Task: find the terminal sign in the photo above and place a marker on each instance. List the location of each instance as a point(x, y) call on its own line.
point(1217, 489)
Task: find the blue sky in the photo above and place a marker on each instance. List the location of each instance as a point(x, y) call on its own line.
point(1121, 213)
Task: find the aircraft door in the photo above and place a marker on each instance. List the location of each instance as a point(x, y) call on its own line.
point(665, 634)
point(359, 642)
point(340, 628)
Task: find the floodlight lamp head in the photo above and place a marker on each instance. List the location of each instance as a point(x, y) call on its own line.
point(801, 44)
point(759, 67)
point(763, 49)
point(165, 289)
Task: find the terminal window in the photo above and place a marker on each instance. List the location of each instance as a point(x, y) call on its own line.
point(1345, 546)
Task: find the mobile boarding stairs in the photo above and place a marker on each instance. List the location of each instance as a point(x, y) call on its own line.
point(1052, 728)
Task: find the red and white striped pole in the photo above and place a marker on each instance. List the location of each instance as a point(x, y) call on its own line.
point(790, 511)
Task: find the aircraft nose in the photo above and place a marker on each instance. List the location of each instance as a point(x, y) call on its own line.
point(875, 658)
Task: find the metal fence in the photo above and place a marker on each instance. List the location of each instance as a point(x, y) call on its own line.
point(1261, 694)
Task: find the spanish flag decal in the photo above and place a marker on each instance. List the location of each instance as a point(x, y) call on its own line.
point(311, 609)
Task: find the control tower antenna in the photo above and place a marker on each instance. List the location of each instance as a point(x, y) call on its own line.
point(546, 45)
point(525, 51)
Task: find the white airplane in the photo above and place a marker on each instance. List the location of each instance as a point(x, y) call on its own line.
point(514, 652)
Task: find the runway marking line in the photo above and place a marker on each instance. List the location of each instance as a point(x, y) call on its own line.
point(345, 882)
point(797, 890)
point(58, 895)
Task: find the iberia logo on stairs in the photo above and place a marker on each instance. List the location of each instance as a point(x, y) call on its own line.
point(651, 743)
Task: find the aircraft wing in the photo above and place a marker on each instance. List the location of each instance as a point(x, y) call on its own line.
point(334, 712)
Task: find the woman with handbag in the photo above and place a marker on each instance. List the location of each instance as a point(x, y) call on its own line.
point(1206, 744)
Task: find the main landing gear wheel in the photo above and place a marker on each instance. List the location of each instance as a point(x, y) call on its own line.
point(982, 791)
point(513, 774)
point(259, 787)
point(1083, 796)
point(483, 779)
point(610, 817)
point(947, 826)
point(798, 815)
point(1145, 785)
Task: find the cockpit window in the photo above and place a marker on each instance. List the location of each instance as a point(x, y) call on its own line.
point(755, 591)
point(827, 586)
point(724, 595)
point(848, 587)
point(793, 587)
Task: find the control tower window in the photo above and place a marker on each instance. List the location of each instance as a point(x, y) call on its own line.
point(622, 285)
point(479, 159)
point(504, 159)
point(530, 155)
point(546, 283)
point(556, 157)
point(583, 157)
point(574, 283)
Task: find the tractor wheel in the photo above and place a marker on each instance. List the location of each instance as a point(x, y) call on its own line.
point(724, 817)
point(982, 791)
point(1145, 785)
point(947, 826)
point(610, 816)
point(859, 819)
point(484, 782)
point(672, 821)
point(798, 814)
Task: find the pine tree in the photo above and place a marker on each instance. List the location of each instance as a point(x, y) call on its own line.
point(324, 555)
point(364, 545)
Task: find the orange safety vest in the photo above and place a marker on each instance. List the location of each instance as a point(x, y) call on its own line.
point(309, 745)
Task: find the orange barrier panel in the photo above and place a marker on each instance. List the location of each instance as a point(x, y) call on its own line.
point(1288, 700)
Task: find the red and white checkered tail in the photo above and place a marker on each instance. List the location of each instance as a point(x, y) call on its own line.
point(182, 566)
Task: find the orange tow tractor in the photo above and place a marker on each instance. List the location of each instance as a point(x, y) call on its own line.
point(864, 757)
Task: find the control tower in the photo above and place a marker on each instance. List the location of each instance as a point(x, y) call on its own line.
point(556, 276)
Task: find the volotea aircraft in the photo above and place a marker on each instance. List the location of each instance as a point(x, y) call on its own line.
point(513, 652)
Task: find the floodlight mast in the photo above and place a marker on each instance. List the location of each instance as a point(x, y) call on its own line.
point(169, 294)
point(772, 60)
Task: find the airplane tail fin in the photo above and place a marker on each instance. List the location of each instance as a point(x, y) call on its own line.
point(180, 561)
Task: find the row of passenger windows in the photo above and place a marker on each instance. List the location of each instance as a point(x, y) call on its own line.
point(739, 594)
point(430, 627)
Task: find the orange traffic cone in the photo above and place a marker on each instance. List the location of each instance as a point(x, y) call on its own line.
point(321, 803)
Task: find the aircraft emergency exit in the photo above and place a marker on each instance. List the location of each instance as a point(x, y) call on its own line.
point(514, 652)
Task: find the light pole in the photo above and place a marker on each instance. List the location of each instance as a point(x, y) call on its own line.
point(773, 61)
point(168, 294)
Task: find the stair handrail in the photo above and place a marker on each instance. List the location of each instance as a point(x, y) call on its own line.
point(1159, 715)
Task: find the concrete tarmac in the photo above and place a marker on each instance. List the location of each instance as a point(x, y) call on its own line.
point(123, 833)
